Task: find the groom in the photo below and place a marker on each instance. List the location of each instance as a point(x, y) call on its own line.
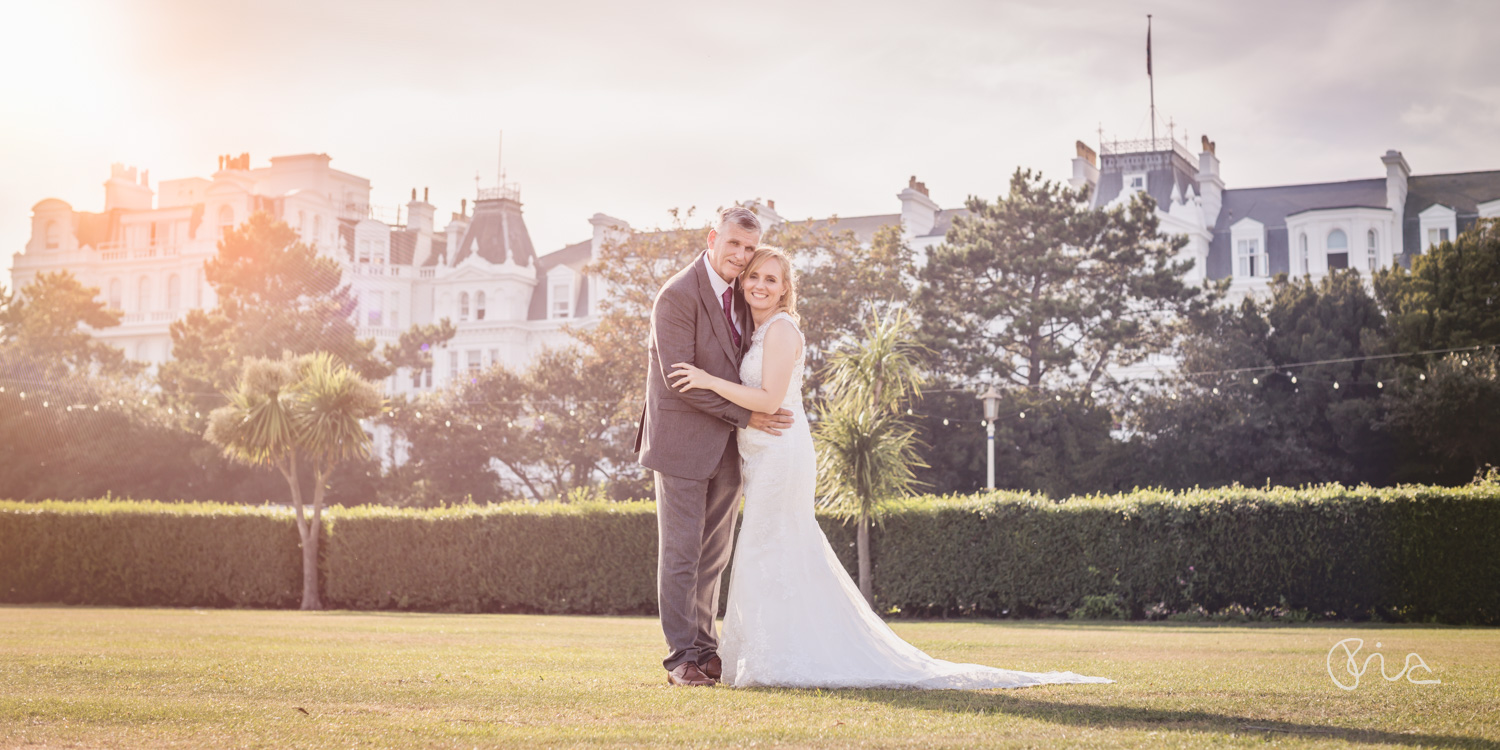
point(688, 441)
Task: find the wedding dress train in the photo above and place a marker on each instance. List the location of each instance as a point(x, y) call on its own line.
point(795, 618)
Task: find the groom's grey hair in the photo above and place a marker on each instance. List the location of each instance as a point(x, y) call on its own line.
point(739, 215)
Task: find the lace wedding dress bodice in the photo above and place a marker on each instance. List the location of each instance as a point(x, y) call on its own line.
point(795, 618)
point(751, 374)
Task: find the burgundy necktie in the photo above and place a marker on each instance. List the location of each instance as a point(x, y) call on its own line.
point(730, 318)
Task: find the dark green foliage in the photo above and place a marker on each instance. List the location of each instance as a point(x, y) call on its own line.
point(1061, 447)
point(1038, 289)
point(1407, 554)
point(1404, 554)
point(1211, 427)
point(1450, 297)
point(147, 554)
point(582, 559)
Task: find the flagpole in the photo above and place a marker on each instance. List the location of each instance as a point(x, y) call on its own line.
point(1152, 78)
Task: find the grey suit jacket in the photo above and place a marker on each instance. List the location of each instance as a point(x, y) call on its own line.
point(685, 434)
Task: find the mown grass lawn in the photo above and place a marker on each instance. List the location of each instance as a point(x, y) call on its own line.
point(120, 678)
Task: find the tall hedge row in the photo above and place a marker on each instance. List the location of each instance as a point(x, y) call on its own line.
point(142, 553)
point(1402, 554)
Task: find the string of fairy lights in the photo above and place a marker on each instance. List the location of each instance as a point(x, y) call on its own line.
point(54, 396)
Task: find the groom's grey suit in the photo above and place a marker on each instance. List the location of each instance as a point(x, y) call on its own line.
point(688, 440)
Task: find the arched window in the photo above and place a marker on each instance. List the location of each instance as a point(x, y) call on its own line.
point(226, 220)
point(1302, 245)
point(1338, 249)
point(116, 295)
point(53, 235)
point(143, 294)
point(463, 306)
point(174, 292)
point(1374, 248)
point(479, 305)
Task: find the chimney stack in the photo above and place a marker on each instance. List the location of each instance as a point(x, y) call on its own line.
point(918, 210)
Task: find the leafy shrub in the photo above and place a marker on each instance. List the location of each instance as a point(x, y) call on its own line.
point(143, 553)
point(1403, 554)
point(1105, 607)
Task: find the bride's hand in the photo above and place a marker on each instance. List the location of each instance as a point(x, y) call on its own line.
point(689, 377)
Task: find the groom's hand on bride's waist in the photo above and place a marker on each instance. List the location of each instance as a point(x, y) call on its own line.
point(772, 423)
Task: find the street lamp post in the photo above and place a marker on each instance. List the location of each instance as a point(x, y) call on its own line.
point(991, 401)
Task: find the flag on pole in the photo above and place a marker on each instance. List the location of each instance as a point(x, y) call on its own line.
point(1148, 45)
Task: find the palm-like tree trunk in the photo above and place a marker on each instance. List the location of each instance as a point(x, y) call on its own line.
point(311, 596)
point(863, 546)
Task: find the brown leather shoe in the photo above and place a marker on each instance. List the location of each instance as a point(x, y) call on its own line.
point(688, 674)
point(713, 668)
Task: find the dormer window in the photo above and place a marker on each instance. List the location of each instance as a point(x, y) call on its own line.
point(463, 306)
point(226, 220)
point(1438, 224)
point(1249, 261)
point(1250, 258)
point(1373, 249)
point(479, 305)
point(1135, 182)
point(1338, 249)
point(53, 235)
point(560, 292)
point(1302, 252)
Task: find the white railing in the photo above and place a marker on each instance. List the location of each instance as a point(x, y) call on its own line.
point(508, 192)
point(122, 251)
point(426, 273)
point(153, 316)
point(1147, 146)
point(375, 269)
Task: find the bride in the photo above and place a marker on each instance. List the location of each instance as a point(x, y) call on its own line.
point(795, 618)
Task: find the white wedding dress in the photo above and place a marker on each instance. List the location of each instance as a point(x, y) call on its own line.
point(795, 618)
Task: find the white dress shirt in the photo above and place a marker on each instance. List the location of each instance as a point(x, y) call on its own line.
point(719, 286)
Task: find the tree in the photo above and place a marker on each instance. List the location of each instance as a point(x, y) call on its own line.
point(276, 294)
point(1037, 289)
point(1451, 414)
point(472, 441)
point(45, 332)
point(1451, 296)
point(290, 412)
point(866, 447)
point(842, 282)
point(1243, 408)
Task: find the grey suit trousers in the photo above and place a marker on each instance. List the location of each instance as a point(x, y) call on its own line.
point(695, 524)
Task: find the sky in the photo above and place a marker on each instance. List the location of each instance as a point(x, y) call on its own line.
point(633, 109)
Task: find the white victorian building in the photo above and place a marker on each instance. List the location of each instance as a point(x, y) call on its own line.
point(1251, 234)
point(145, 252)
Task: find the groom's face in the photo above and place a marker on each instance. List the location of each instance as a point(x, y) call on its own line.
point(730, 248)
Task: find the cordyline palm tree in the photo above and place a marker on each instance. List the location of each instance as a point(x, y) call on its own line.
point(290, 412)
point(866, 448)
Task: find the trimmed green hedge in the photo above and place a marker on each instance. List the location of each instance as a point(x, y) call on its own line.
point(1400, 554)
point(144, 553)
point(593, 558)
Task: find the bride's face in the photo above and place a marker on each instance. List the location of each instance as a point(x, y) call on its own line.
point(764, 285)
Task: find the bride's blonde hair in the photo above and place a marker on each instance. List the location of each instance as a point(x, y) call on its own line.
point(788, 303)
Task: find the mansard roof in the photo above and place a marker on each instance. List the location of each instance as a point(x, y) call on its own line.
point(403, 246)
point(497, 233)
point(575, 257)
point(1271, 205)
point(1462, 192)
